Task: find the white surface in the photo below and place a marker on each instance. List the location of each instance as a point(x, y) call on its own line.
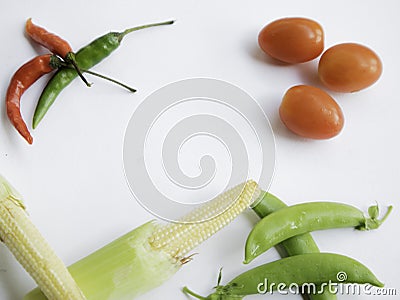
point(72, 177)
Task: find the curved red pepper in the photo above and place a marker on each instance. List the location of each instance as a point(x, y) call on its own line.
point(23, 78)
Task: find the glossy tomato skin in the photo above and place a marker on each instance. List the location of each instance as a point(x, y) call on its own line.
point(349, 67)
point(310, 112)
point(292, 40)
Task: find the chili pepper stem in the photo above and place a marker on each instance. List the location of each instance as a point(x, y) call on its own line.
point(58, 63)
point(131, 89)
point(129, 30)
point(71, 59)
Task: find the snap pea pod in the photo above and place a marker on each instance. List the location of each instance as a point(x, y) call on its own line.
point(85, 58)
point(296, 245)
point(305, 270)
point(302, 218)
point(300, 244)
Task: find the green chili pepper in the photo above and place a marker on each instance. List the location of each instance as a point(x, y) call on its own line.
point(296, 245)
point(86, 58)
point(302, 218)
point(310, 271)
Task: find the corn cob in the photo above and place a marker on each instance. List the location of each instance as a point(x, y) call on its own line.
point(150, 254)
point(31, 250)
point(178, 239)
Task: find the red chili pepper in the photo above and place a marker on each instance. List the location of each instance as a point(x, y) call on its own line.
point(23, 78)
point(47, 39)
point(54, 43)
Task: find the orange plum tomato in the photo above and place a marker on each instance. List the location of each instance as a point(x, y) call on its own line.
point(349, 67)
point(292, 40)
point(310, 112)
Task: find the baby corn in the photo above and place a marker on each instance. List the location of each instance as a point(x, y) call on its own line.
point(150, 254)
point(31, 250)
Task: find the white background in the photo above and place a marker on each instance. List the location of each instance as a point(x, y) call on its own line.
point(72, 178)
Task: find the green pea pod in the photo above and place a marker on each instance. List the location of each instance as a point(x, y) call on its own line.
point(296, 245)
point(303, 218)
point(86, 58)
point(300, 244)
point(310, 271)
